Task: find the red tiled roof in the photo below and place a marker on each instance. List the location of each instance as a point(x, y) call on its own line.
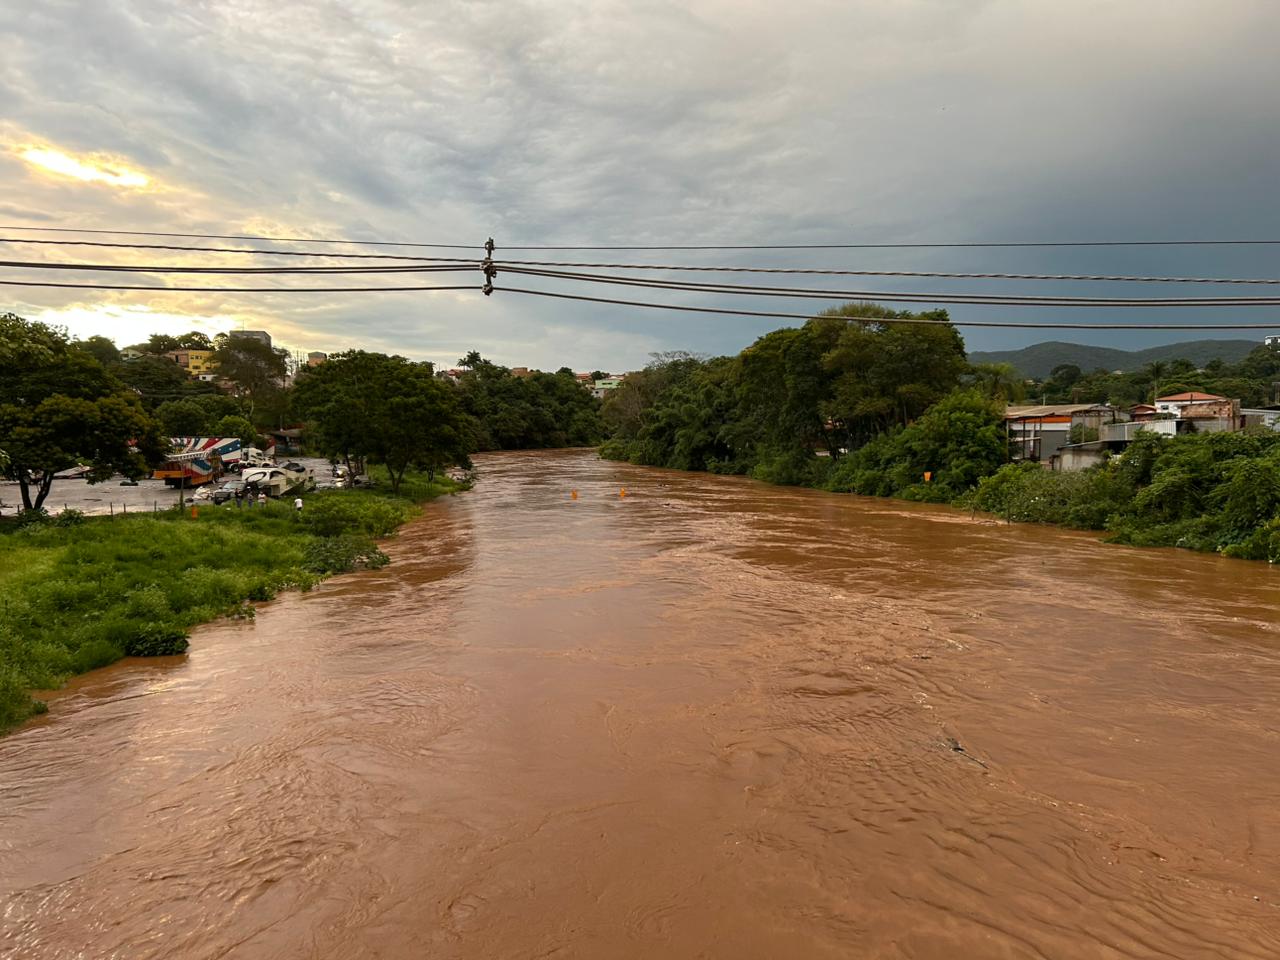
point(1188, 397)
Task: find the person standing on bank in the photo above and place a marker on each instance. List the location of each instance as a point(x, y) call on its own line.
point(297, 506)
point(239, 496)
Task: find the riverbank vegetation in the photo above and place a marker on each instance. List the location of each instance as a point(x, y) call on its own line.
point(852, 403)
point(77, 593)
point(81, 592)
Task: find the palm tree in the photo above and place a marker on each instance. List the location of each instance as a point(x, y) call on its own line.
point(999, 381)
point(1155, 370)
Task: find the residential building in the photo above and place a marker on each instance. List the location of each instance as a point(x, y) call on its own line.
point(522, 373)
point(1268, 417)
point(1272, 341)
point(132, 353)
point(260, 335)
point(1039, 432)
point(1176, 402)
point(197, 363)
point(602, 388)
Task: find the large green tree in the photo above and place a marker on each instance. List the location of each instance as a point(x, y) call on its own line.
point(183, 418)
point(101, 349)
point(255, 370)
point(59, 408)
point(372, 407)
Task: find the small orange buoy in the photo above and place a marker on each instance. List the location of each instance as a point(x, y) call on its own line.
point(622, 493)
point(574, 494)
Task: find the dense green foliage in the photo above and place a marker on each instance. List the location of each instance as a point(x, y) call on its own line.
point(1217, 491)
point(835, 384)
point(78, 593)
point(255, 371)
point(958, 441)
point(386, 410)
point(1039, 359)
point(529, 412)
point(59, 408)
point(1252, 381)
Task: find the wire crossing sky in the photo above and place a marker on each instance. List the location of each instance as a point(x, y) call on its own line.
point(966, 147)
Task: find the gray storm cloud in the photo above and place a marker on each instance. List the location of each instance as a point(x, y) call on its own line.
point(603, 123)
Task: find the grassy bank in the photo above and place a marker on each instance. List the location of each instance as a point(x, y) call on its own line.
point(81, 592)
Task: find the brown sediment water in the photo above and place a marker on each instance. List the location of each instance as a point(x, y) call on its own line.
point(711, 718)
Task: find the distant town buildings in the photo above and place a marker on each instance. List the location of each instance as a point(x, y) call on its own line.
point(315, 358)
point(260, 335)
point(1272, 341)
point(1073, 436)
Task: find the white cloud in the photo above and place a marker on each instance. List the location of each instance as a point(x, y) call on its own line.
point(607, 122)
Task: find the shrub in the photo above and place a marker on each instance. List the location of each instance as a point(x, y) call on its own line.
point(343, 512)
point(344, 553)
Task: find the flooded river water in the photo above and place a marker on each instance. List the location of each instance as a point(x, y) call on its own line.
point(707, 719)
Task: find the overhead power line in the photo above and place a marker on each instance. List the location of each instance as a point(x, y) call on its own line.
point(339, 270)
point(808, 271)
point(904, 297)
point(923, 321)
point(124, 286)
point(973, 244)
point(247, 250)
point(665, 267)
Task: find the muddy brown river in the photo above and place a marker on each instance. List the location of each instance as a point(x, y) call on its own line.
point(711, 718)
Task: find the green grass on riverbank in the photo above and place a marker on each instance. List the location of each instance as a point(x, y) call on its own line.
point(82, 592)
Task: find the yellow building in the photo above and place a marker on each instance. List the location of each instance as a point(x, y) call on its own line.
point(197, 363)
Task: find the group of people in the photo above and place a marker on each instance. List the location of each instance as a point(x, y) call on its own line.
point(252, 494)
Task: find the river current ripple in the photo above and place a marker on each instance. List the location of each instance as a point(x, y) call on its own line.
point(711, 718)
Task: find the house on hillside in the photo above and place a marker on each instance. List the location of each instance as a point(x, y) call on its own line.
point(1175, 402)
point(602, 388)
point(197, 363)
point(1038, 432)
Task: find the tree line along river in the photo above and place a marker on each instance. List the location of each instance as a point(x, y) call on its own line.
point(709, 718)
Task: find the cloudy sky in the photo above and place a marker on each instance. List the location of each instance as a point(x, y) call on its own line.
point(639, 122)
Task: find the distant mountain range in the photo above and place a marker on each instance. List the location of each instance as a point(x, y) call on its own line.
point(1039, 359)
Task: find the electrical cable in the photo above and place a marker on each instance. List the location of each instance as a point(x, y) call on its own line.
point(134, 268)
point(657, 267)
point(906, 297)
point(884, 273)
point(108, 286)
point(1031, 325)
point(918, 246)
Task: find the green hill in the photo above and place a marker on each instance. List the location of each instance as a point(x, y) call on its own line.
point(1039, 359)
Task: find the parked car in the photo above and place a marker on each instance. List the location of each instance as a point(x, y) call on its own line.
point(227, 491)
